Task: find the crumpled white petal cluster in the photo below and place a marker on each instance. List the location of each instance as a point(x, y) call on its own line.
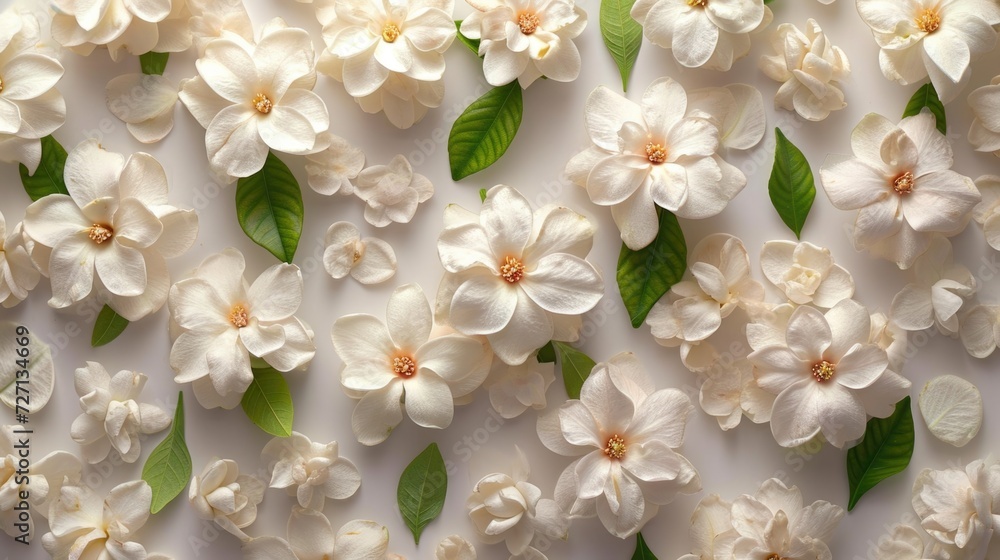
point(219, 321)
point(392, 192)
point(145, 103)
point(626, 432)
point(984, 134)
point(43, 484)
point(455, 548)
point(312, 472)
point(18, 274)
point(941, 288)
point(901, 183)
point(960, 507)
point(136, 26)
point(810, 69)
point(211, 19)
point(515, 389)
point(368, 260)
point(331, 171)
point(806, 273)
point(311, 537)
point(906, 543)
point(525, 40)
point(223, 495)
point(663, 152)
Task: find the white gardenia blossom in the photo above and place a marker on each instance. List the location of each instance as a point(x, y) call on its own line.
point(901, 183)
point(904, 543)
point(940, 289)
point(136, 26)
point(526, 39)
point(219, 321)
point(252, 98)
point(392, 192)
point(42, 484)
point(18, 274)
point(921, 38)
point(984, 134)
point(515, 389)
point(311, 537)
point(331, 171)
point(223, 495)
point(455, 548)
point(368, 260)
point(213, 18)
point(987, 212)
point(810, 69)
point(729, 391)
point(310, 471)
point(145, 103)
point(112, 418)
point(517, 277)
point(960, 507)
point(404, 363)
point(111, 234)
point(30, 105)
point(826, 375)
point(702, 33)
point(627, 433)
point(806, 273)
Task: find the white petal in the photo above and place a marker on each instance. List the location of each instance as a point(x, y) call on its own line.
point(952, 409)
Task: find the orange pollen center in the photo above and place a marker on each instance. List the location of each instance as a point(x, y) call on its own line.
point(390, 32)
point(100, 233)
point(528, 22)
point(262, 103)
point(823, 371)
point(929, 21)
point(698, 3)
point(903, 184)
point(238, 317)
point(512, 270)
point(404, 366)
point(656, 153)
point(615, 447)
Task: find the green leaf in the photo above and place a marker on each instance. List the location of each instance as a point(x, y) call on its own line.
point(482, 195)
point(48, 178)
point(576, 367)
point(622, 35)
point(153, 62)
point(547, 354)
point(268, 402)
point(269, 208)
point(884, 451)
point(473, 44)
point(485, 130)
point(108, 326)
point(927, 96)
point(168, 468)
point(792, 187)
point(645, 275)
point(422, 490)
point(642, 551)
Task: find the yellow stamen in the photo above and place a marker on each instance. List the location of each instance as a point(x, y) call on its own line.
point(1, 85)
point(404, 366)
point(100, 233)
point(698, 4)
point(656, 153)
point(929, 21)
point(616, 447)
point(528, 22)
point(903, 184)
point(239, 317)
point(262, 103)
point(823, 371)
point(390, 32)
point(512, 270)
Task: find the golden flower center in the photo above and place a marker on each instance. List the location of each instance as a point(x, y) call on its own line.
point(99, 233)
point(656, 153)
point(903, 184)
point(616, 447)
point(929, 20)
point(239, 316)
point(823, 371)
point(1, 84)
point(699, 4)
point(528, 22)
point(404, 366)
point(262, 103)
point(390, 32)
point(512, 270)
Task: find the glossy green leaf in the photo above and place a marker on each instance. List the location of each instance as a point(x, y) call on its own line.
point(642, 551)
point(576, 367)
point(153, 62)
point(622, 35)
point(645, 275)
point(792, 187)
point(108, 326)
point(484, 131)
point(473, 44)
point(885, 450)
point(547, 354)
point(422, 489)
point(269, 208)
point(168, 468)
point(267, 402)
point(927, 96)
point(48, 178)
point(482, 195)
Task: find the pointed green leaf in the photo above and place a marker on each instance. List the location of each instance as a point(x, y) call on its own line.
point(422, 489)
point(485, 130)
point(153, 62)
point(576, 367)
point(269, 208)
point(48, 178)
point(168, 468)
point(642, 551)
point(927, 96)
point(884, 451)
point(547, 354)
point(645, 275)
point(482, 195)
point(108, 326)
point(267, 402)
point(622, 35)
point(791, 187)
point(473, 44)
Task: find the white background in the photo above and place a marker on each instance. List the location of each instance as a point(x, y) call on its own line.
point(551, 132)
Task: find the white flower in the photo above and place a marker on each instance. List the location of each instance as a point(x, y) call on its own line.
point(655, 154)
point(111, 233)
point(332, 170)
point(18, 274)
point(806, 273)
point(940, 290)
point(368, 260)
point(392, 192)
point(310, 537)
point(254, 98)
point(889, 336)
point(224, 495)
point(455, 548)
point(702, 33)
point(145, 102)
point(508, 508)
point(526, 39)
point(137, 26)
point(984, 135)
point(112, 419)
point(979, 329)
point(960, 506)
point(987, 211)
point(737, 110)
point(729, 390)
point(710, 522)
point(900, 181)
point(312, 472)
point(42, 485)
point(30, 105)
point(774, 522)
point(221, 321)
point(903, 543)
point(514, 389)
point(516, 276)
point(627, 432)
point(211, 18)
point(928, 37)
point(403, 364)
point(810, 68)
point(827, 376)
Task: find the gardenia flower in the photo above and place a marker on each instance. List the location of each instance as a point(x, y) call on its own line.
point(516, 276)
point(137, 26)
point(729, 391)
point(626, 432)
point(310, 471)
point(904, 543)
point(111, 233)
point(806, 273)
point(212, 18)
point(940, 290)
point(526, 40)
point(960, 506)
point(455, 548)
point(311, 537)
point(827, 376)
point(900, 181)
point(392, 192)
point(984, 135)
point(111, 418)
point(702, 33)
point(145, 102)
point(928, 37)
point(650, 155)
point(224, 495)
point(331, 170)
point(18, 274)
point(42, 484)
point(367, 260)
point(987, 211)
point(402, 364)
point(810, 69)
point(221, 320)
point(514, 389)
point(30, 105)
point(255, 98)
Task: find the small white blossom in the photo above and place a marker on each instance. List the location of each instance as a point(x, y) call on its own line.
point(810, 69)
point(905, 543)
point(984, 134)
point(940, 289)
point(223, 495)
point(42, 485)
point(392, 192)
point(368, 260)
point(136, 26)
point(960, 506)
point(18, 274)
point(312, 472)
point(212, 18)
point(806, 273)
point(145, 103)
point(311, 537)
point(455, 548)
point(515, 389)
point(331, 171)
